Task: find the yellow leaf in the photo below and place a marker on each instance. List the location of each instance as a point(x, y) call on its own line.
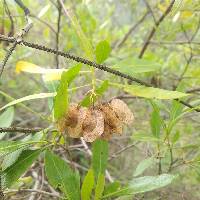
point(186, 14)
point(47, 74)
point(23, 66)
point(162, 7)
point(52, 76)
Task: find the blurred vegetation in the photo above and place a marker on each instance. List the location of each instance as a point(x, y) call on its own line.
point(164, 138)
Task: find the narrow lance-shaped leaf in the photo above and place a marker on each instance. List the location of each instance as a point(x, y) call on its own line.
point(143, 165)
point(88, 185)
point(155, 121)
point(61, 176)
point(102, 51)
point(132, 66)
point(28, 98)
point(149, 183)
point(143, 184)
point(99, 187)
point(61, 98)
point(100, 156)
point(7, 147)
point(175, 113)
point(17, 169)
point(151, 92)
point(13, 154)
point(112, 187)
point(6, 119)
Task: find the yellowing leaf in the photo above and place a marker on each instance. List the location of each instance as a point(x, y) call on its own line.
point(162, 7)
point(186, 14)
point(47, 74)
point(52, 76)
point(23, 66)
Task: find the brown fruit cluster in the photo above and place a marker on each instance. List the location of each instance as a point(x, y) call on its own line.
point(101, 121)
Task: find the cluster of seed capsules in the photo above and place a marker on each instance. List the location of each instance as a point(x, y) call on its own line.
point(99, 121)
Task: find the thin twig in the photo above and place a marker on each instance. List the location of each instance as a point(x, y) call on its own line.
point(44, 22)
point(23, 7)
point(173, 42)
point(20, 130)
point(151, 34)
point(58, 32)
point(11, 31)
point(35, 191)
point(189, 60)
point(150, 10)
point(8, 54)
point(123, 40)
point(16, 41)
point(122, 150)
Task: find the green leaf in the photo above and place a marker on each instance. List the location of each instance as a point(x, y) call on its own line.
point(7, 147)
point(175, 137)
point(112, 187)
point(6, 119)
point(61, 101)
point(100, 157)
point(176, 110)
point(99, 187)
point(11, 174)
point(102, 51)
point(150, 92)
point(175, 115)
point(155, 121)
point(60, 175)
point(61, 98)
point(99, 91)
point(149, 183)
point(13, 154)
point(132, 66)
point(87, 186)
point(10, 158)
point(143, 165)
point(143, 184)
point(28, 98)
point(71, 74)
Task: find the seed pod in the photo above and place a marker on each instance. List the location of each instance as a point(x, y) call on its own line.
point(71, 123)
point(122, 111)
point(74, 124)
point(93, 125)
point(112, 122)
